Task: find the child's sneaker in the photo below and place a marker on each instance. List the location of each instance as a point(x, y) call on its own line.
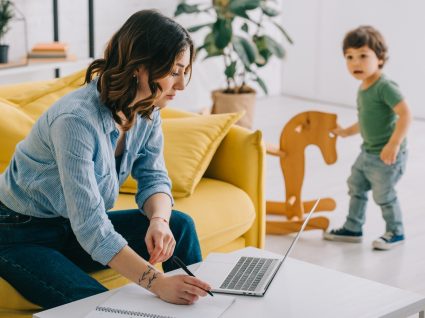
point(388, 241)
point(343, 235)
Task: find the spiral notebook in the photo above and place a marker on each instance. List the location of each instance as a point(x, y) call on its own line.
point(132, 301)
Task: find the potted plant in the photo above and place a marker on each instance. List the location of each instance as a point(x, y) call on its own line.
point(237, 34)
point(6, 14)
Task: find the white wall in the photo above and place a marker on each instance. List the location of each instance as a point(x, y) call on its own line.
point(315, 66)
point(109, 16)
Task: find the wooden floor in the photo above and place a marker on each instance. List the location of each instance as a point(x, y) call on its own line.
point(403, 267)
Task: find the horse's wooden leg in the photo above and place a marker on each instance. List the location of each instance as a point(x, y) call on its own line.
point(287, 227)
point(325, 204)
point(281, 208)
point(275, 207)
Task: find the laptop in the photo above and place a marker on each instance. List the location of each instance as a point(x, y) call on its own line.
point(246, 275)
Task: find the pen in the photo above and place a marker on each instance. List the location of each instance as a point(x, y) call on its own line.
point(180, 263)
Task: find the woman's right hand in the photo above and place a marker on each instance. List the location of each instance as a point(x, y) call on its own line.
point(180, 289)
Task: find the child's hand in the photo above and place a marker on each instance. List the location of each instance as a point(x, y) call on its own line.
point(389, 153)
point(339, 131)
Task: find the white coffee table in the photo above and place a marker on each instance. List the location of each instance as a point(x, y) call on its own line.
point(299, 289)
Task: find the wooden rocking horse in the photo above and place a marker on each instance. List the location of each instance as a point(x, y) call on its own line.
point(302, 130)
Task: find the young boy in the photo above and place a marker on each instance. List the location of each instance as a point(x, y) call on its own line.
point(383, 121)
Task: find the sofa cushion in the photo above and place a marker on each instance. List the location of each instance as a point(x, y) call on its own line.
point(189, 145)
point(34, 103)
point(222, 212)
point(15, 125)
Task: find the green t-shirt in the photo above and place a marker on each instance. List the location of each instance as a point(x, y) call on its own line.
point(377, 118)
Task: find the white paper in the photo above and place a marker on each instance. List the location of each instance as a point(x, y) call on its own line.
point(133, 299)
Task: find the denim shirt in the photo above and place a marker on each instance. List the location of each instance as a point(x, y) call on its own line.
point(66, 167)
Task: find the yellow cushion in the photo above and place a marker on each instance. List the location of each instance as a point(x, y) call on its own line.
point(14, 126)
point(25, 93)
point(189, 145)
point(168, 112)
point(218, 221)
point(36, 103)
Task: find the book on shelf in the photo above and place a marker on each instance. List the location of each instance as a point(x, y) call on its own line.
point(51, 46)
point(49, 50)
point(35, 55)
point(37, 60)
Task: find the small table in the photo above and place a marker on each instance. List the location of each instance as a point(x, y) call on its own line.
point(299, 289)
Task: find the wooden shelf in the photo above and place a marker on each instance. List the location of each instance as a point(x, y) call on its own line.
point(33, 65)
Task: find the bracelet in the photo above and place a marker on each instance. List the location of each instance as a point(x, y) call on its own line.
point(158, 217)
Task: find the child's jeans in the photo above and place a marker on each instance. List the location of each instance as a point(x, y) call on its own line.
point(369, 172)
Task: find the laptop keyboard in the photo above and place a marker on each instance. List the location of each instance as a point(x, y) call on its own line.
point(247, 273)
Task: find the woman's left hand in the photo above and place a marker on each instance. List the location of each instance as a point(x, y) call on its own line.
point(159, 241)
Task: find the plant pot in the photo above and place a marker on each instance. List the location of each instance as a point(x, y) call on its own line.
point(232, 103)
point(4, 49)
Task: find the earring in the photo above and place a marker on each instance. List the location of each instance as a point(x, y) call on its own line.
point(136, 78)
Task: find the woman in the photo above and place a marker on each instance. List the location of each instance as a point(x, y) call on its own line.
point(66, 174)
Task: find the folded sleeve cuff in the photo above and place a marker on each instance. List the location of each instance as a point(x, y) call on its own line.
point(143, 196)
point(110, 247)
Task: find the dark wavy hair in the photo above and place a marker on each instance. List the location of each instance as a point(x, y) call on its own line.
point(369, 36)
point(147, 39)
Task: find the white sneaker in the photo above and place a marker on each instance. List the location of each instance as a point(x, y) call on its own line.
point(388, 241)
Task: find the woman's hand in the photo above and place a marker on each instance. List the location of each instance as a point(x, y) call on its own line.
point(159, 241)
point(389, 153)
point(180, 289)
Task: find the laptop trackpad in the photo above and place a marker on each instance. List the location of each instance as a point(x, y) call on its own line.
point(214, 272)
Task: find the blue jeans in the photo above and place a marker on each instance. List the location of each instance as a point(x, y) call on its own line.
point(43, 260)
point(369, 172)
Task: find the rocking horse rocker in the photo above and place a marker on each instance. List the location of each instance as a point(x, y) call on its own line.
point(302, 130)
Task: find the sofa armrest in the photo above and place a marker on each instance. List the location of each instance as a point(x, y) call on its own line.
point(240, 160)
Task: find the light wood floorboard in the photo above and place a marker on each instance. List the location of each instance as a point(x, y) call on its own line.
point(403, 267)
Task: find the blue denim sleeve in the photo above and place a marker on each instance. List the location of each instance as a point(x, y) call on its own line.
point(74, 139)
point(149, 167)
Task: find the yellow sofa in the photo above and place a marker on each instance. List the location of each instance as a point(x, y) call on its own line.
point(227, 204)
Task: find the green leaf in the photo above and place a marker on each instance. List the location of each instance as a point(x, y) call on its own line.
point(241, 13)
point(274, 47)
point(198, 27)
point(261, 43)
point(222, 30)
point(283, 32)
point(245, 27)
point(243, 5)
point(230, 70)
point(239, 7)
point(246, 50)
point(186, 8)
point(6, 14)
point(210, 47)
point(262, 85)
point(271, 12)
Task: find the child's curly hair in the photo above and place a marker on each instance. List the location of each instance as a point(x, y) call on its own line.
point(367, 35)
